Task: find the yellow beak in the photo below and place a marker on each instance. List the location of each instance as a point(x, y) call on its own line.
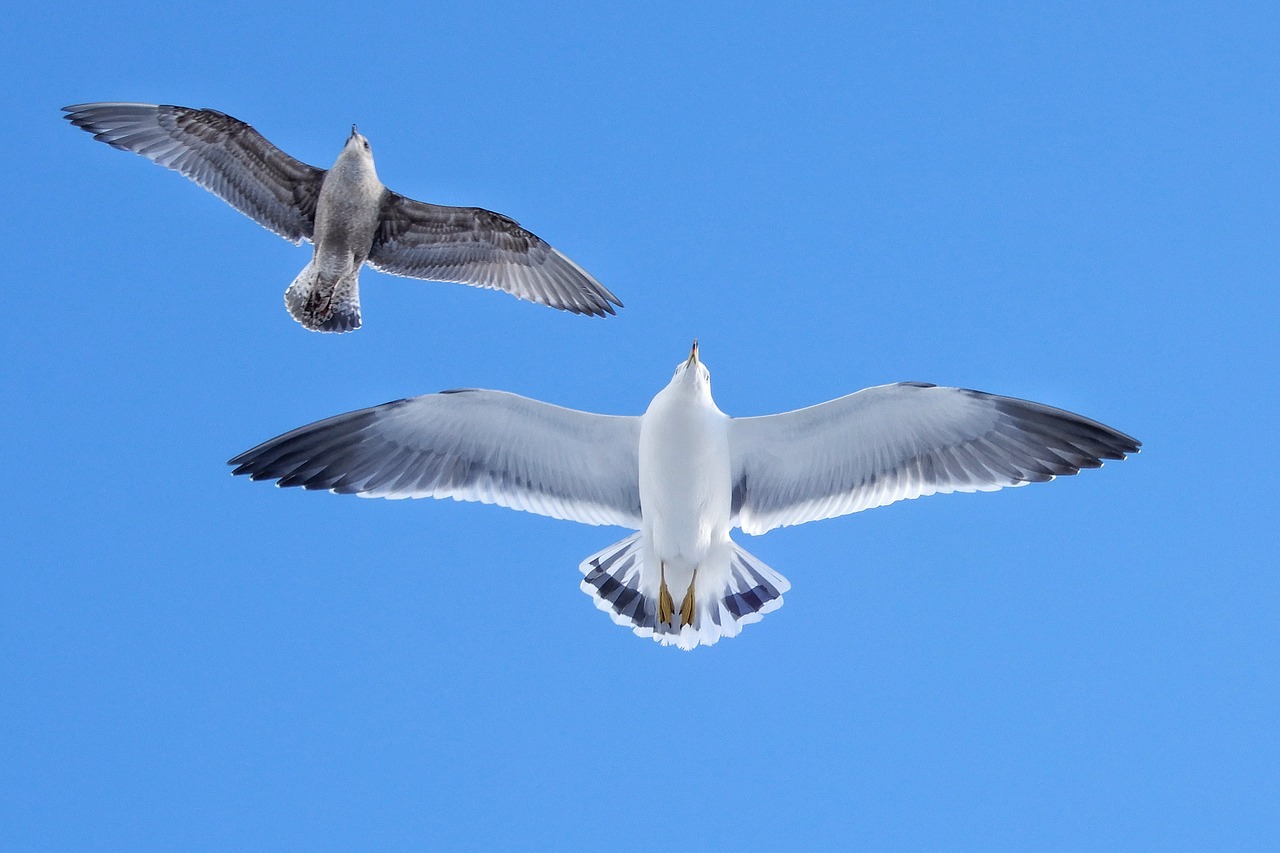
point(693, 354)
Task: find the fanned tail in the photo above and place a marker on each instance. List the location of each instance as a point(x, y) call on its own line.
point(723, 604)
point(613, 582)
point(324, 303)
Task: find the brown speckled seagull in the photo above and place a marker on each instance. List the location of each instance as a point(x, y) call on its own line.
point(346, 212)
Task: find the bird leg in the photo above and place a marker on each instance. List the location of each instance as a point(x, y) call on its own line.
point(321, 302)
point(686, 609)
point(666, 607)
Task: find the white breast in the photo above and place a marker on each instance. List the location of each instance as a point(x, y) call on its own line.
point(684, 477)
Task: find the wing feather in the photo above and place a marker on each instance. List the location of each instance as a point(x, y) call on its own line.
point(487, 446)
point(897, 442)
point(470, 245)
point(220, 153)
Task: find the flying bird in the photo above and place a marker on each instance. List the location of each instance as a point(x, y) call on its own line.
point(684, 474)
point(346, 212)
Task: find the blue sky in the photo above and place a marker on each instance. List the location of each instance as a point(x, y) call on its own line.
point(1074, 204)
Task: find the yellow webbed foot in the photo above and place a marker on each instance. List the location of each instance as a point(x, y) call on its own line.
point(686, 608)
point(666, 607)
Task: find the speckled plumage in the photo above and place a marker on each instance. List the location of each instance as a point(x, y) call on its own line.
point(346, 211)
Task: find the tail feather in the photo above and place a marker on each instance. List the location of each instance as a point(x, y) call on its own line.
point(748, 590)
point(324, 303)
point(754, 590)
point(612, 579)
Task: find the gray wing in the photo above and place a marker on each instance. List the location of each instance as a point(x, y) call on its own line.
point(470, 445)
point(220, 153)
point(896, 442)
point(470, 245)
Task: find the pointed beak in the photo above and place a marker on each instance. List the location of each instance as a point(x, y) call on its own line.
point(693, 354)
point(354, 132)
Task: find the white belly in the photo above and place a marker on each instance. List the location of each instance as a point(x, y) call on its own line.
point(685, 486)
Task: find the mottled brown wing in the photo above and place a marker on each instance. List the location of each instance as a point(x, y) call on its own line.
point(470, 245)
point(220, 153)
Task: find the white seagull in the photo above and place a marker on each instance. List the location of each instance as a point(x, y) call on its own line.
point(346, 211)
point(684, 474)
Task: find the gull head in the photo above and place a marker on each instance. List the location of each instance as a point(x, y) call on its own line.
point(359, 142)
point(692, 373)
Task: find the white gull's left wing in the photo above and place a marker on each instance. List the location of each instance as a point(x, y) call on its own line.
point(901, 441)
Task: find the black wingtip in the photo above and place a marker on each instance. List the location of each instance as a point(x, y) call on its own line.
point(75, 115)
point(601, 308)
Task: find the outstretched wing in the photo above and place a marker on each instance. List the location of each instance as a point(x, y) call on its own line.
point(487, 446)
point(896, 442)
point(470, 245)
point(220, 153)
